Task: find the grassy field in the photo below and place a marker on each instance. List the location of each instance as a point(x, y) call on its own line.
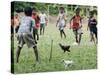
point(84, 56)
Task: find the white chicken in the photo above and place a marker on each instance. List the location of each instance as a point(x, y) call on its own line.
point(67, 63)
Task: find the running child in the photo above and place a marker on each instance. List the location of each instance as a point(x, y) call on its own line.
point(76, 26)
point(61, 21)
point(92, 25)
point(36, 17)
point(25, 35)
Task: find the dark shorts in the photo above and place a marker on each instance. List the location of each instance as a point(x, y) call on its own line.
point(35, 30)
point(26, 38)
point(93, 30)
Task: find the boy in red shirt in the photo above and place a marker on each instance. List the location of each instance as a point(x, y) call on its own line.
point(76, 25)
point(35, 16)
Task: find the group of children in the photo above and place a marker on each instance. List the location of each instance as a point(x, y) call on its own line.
point(76, 25)
point(27, 32)
point(40, 22)
point(27, 29)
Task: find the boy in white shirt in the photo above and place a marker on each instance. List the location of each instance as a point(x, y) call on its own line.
point(61, 21)
point(43, 22)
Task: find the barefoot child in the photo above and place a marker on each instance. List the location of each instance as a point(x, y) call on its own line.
point(36, 17)
point(92, 23)
point(43, 22)
point(76, 25)
point(61, 22)
point(25, 35)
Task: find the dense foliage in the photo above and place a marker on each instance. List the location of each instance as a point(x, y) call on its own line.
point(53, 9)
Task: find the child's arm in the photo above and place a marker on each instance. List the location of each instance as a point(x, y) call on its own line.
point(96, 22)
point(32, 25)
point(58, 18)
point(57, 22)
point(71, 21)
point(88, 24)
point(65, 20)
point(46, 20)
point(80, 22)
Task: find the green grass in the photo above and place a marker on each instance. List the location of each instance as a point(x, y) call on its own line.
point(83, 56)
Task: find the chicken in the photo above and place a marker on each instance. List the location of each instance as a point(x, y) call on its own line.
point(64, 48)
point(67, 63)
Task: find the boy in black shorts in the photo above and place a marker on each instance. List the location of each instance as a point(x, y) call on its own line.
point(92, 23)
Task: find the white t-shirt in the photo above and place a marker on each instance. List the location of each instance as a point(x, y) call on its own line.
point(43, 18)
point(61, 23)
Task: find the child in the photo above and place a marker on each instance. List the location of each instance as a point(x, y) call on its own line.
point(12, 38)
point(61, 22)
point(43, 22)
point(12, 26)
point(16, 22)
point(25, 35)
point(92, 23)
point(35, 16)
point(76, 25)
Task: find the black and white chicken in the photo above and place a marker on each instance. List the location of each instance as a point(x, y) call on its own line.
point(64, 48)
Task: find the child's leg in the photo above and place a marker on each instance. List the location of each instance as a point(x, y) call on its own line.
point(80, 35)
point(91, 35)
point(95, 33)
point(96, 37)
point(36, 53)
point(76, 35)
point(64, 33)
point(34, 34)
point(43, 28)
point(40, 29)
point(61, 33)
point(37, 34)
point(20, 45)
point(28, 38)
point(18, 53)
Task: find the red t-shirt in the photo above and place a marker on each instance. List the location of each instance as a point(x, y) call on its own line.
point(37, 20)
point(76, 22)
